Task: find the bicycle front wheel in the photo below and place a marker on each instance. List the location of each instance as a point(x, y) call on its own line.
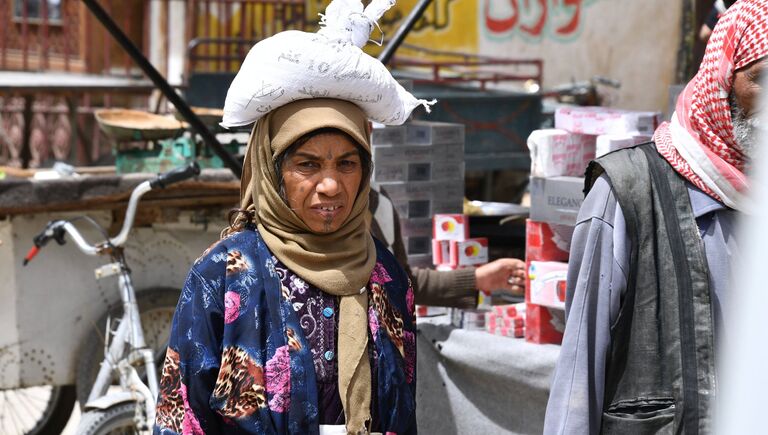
point(36, 410)
point(118, 419)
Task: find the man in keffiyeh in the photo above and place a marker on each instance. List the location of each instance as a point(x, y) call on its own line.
point(652, 249)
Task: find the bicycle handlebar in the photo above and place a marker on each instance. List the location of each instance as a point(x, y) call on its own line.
point(56, 229)
point(175, 175)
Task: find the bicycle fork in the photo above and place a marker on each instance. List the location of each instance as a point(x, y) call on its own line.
point(129, 333)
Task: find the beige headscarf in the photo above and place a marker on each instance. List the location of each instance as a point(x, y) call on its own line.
point(339, 263)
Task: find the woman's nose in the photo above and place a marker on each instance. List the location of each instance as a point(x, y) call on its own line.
point(328, 185)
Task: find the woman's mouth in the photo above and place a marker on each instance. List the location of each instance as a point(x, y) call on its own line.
point(328, 211)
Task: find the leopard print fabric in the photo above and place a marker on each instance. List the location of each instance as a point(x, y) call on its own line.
point(293, 341)
point(236, 263)
point(390, 318)
point(240, 385)
point(170, 407)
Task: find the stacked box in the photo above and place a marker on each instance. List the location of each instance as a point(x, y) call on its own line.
point(544, 325)
point(452, 249)
point(603, 120)
point(506, 320)
point(420, 166)
point(559, 158)
point(557, 152)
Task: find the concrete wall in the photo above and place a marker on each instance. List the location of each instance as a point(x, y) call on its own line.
point(628, 40)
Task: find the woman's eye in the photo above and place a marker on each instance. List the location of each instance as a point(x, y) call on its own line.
point(347, 164)
point(308, 165)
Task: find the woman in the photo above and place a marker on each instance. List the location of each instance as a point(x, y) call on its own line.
point(297, 321)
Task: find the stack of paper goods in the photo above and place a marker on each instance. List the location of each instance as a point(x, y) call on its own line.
point(420, 166)
point(506, 320)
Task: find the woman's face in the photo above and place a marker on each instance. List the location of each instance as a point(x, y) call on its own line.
point(321, 180)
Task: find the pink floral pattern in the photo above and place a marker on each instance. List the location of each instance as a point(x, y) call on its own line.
point(379, 275)
point(373, 323)
point(409, 299)
point(190, 425)
point(231, 306)
point(279, 380)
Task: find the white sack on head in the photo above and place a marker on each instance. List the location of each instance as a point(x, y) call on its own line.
point(294, 65)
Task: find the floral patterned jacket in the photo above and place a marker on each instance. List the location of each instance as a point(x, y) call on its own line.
point(238, 361)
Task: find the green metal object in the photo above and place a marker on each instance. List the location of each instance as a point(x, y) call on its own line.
point(168, 154)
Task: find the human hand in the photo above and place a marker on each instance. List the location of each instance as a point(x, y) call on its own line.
point(502, 274)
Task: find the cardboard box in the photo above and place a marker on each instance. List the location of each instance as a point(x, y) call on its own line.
point(547, 283)
point(504, 325)
point(417, 208)
point(415, 227)
point(417, 153)
point(556, 200)
point(450, 227)
point(418, 245)
point(446, 171)
point(426, 208)
point(547, 242)
point(430, 133)
point(511, 332)
point(423, 261)
point(470, 252)
point(544, 325)
point(607, 143)
point(388, 135)
point(560, 153)
point(403, 190)
point(602, 120)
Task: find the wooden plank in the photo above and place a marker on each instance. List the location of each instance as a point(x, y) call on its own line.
point(223, 201)
point(25, 195)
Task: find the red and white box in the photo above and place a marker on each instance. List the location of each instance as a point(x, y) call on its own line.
point(510, 310)
point(547, 242)
point(441, 253)
point(517, 332)
point(470, 252)
point(547, 283)
point(498, 322)
point(544, 325)
point(450, 227)
point(557, 152)
point(602, 120)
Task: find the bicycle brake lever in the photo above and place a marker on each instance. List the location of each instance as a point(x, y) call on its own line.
point(58, 235)
point(53, 230)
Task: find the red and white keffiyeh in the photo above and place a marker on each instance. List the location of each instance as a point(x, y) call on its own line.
point(699, 141)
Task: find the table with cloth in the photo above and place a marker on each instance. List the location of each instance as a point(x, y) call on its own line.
point(474, 382)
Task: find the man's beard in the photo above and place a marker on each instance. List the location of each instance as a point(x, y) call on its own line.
point(746, 129)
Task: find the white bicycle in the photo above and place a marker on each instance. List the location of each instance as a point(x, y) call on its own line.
point(129, 408)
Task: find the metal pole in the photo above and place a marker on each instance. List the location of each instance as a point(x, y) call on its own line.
point(402, 32)
point(165, 88)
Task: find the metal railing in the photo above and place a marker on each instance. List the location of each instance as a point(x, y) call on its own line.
point(453, 68)
point(245, 22)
